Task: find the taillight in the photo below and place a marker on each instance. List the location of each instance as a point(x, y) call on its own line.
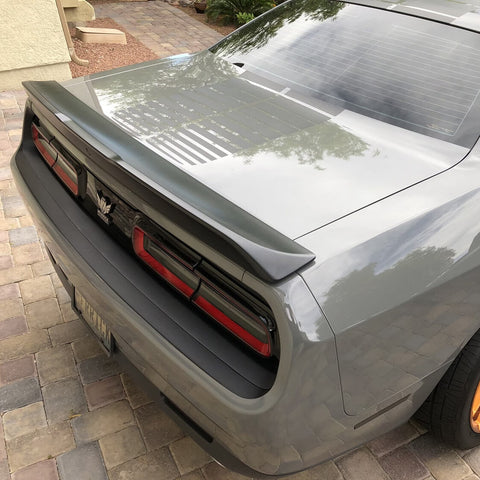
point(43, 146)
point(238, 319)
point(68, 172)
point(159, 260)
point(243, 325)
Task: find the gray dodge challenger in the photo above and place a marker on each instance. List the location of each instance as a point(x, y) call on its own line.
point(279, 236)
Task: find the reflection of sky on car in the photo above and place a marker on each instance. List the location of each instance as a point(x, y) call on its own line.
point(446, 227)
point(388, 72)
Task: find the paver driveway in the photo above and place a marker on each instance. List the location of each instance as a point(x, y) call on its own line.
point(66, 410)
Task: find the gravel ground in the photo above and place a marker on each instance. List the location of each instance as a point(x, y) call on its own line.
point(105, 56)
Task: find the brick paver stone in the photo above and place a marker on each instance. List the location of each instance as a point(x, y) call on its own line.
point(68, 332)
point(16, 370)
point(403, 464)
point(361, 465)
point(9, 224)
point(18, 394)
point(63, 400)
point(188, 455)
point(43, 314)
point(473, 459)
point(325, 471)
point(40, 445)
point(157, 465)
point(12, 326)
point(22, 421)
point(103, 421)
point(5, 249)
point(157, 428)
point(393, 440)
point(67, 313)
point(443, 463)
point(97, 368)
point(44, 267)
point(25, 220)
point(46, 470)
point(9, 291)
point(154, 27)
point(11, 307)
point(13, 206)
point(136, 397)
point(22, 236)
point(27, 254)
point(55, 364)
point(85, 348)
point(3, 450)
point(55, 280)
point(119, 447)
point(37, 288)
point(197, 475)
point(15, 274)
point(6, 261)
point(4, 471)
point(83, 463)
point(19, 346)
point(214, 471)
point(103, 392)
point(61, 294)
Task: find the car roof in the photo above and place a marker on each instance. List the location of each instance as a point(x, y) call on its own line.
point(457, 12)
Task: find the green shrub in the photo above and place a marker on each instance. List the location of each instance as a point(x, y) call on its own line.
point(227, 10)
point(243, 17)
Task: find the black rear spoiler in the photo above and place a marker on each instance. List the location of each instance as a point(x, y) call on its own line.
point(233, 232)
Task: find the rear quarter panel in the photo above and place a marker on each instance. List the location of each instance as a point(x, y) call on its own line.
point(399, 283)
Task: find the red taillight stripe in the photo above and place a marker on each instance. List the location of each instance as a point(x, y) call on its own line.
point(64, 176)
point(66, 179)
point(165, 273)
point(262, 348)
point(37, 140)
point(59, 163)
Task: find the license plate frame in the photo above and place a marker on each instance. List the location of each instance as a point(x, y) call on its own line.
point(94, 321)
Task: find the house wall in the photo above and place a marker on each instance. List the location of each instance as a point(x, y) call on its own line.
point(32, 44)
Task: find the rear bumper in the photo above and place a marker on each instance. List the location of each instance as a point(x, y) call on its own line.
point(73, 261)
point(297, 423)
point(202, 437)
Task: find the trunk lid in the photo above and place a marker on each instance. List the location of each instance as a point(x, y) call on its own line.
point(294, 165)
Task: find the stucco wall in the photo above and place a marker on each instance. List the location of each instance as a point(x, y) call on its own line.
point(78, 11)
point(32, 44)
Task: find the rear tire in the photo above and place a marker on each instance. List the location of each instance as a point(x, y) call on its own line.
point(453, 409)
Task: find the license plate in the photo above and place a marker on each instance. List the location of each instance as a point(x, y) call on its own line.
point(94, 321)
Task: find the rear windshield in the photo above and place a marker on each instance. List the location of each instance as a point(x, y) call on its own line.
point(417, 74)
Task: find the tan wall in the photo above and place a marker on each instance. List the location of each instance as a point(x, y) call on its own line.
point(78, 11)
point(32, 44)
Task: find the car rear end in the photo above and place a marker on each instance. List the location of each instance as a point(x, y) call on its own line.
point(182, 303)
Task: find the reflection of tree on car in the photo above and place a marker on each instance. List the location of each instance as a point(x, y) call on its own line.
point(256, 36)
point(317, 143)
